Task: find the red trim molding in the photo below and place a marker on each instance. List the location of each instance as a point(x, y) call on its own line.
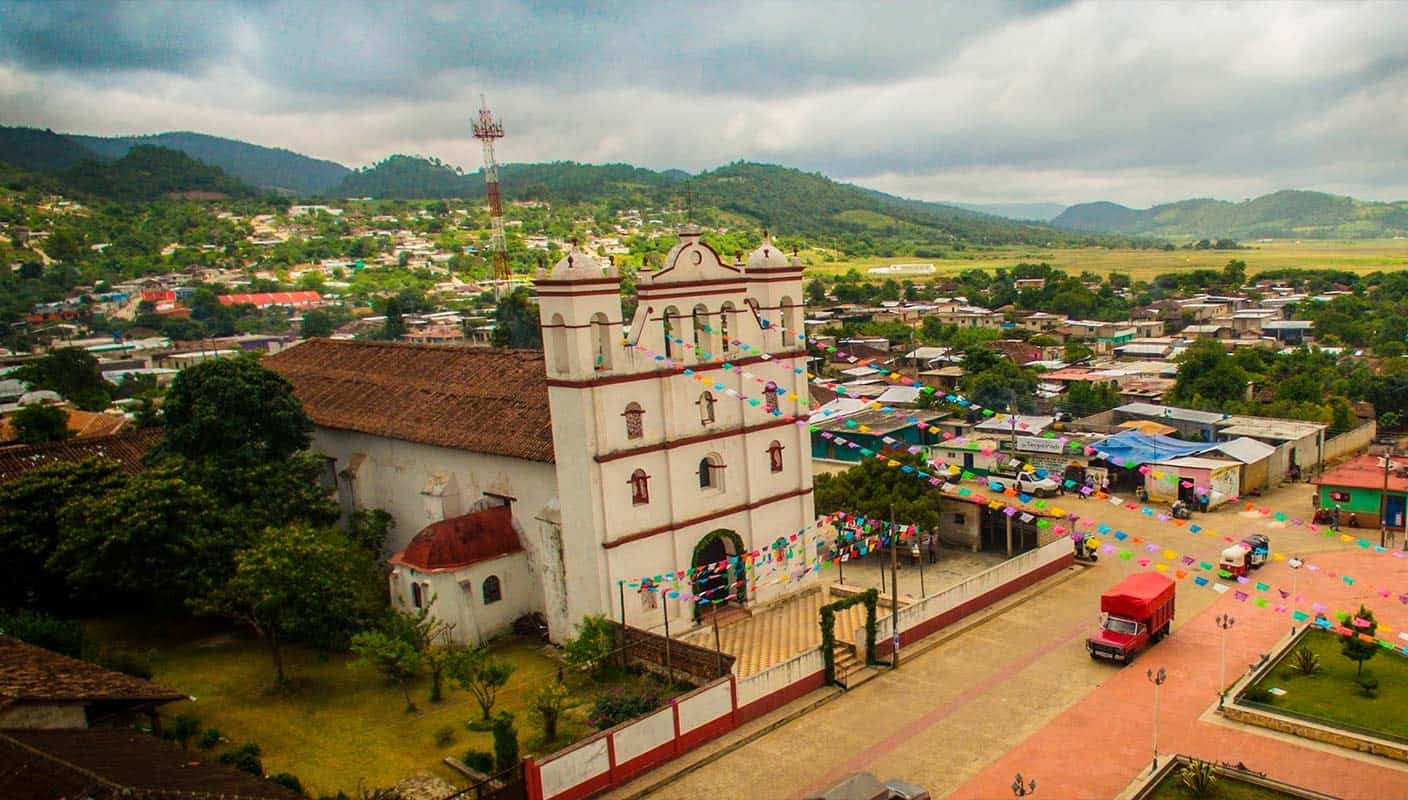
point(645, 534)
point(703, 437)
point(657, 374)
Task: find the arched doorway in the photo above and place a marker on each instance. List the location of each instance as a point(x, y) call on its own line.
point(713, 583)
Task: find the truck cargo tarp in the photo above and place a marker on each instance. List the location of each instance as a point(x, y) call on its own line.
point(1138, 595)
point(1142, 448)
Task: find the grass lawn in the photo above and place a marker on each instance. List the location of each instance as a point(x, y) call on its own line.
point(1171, 788)
point(1333, 695)
point(1361, 256)
point(337, 723)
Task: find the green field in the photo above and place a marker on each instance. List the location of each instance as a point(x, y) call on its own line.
point(1331, 694)
point(1361, 256)
point(337, 724)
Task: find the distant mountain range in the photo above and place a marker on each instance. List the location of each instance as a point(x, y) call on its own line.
point(1280, 215)
point(788, 199)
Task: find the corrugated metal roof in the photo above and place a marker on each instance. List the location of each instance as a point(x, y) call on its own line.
point(1247, 451)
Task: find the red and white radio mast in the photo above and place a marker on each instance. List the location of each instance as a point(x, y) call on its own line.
point(486, 130)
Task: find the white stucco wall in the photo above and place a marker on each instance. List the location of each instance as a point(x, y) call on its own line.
point(459, 597)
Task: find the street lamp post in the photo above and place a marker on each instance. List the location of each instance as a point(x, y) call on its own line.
point(1020, 789)
point(1295, 565)
point(1156, 678)
point(1225, 622)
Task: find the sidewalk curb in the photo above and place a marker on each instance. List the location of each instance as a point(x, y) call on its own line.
point(967, 624)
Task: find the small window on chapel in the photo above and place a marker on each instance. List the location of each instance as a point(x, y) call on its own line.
point(770, 398)
point(706, 408)
point(775, 456)
point(492, 591)
point(635, 427)
point(640, 487)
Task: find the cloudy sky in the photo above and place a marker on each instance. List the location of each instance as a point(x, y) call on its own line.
point(1052, 102)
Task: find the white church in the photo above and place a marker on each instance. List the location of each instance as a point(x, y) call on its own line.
point(524, 481)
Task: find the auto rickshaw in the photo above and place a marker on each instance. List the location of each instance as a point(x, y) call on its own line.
point(1243, 557)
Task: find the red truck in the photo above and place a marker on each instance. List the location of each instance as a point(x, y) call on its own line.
point(1136, 612)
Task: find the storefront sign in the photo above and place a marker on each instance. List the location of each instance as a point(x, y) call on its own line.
point(1033, 444)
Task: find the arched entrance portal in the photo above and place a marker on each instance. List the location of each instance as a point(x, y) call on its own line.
point(728, 583)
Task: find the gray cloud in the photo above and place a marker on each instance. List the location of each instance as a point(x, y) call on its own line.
point(1139, 103)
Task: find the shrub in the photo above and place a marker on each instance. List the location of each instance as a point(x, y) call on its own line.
point(182, 728)
point(618, 704)
point(505, 741)
point(1368, 687)
point(210, 739)
point(479, 761)
point(1257, 694)
point(444, 736)
point(245, 757)
point(1198, 777)
point(1305, 662)
point(593, 645)
point(288, 780)
point(43, 630)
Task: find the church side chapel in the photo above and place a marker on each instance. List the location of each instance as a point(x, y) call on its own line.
point(626, 452)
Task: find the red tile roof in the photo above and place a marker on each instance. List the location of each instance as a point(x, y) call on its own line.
point(1366, 472)
point(486, 400)
point(263, 299)
point(33, 674)
point(108, 764)
point(127, 449)
point(461, 541)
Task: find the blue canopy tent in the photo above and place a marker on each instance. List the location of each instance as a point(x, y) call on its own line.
point(1141, 448)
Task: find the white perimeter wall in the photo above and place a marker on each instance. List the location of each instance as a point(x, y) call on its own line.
point(779, 677)
point(948, 599)
point(578, 766)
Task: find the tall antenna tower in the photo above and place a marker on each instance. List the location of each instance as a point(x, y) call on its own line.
point(486, 130)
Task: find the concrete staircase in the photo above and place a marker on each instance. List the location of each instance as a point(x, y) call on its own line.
point(775, 633)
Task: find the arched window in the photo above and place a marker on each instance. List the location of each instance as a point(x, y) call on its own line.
point(640, 487)
point(703, 339)
point(601, 342)
point(416, 601)
point(770, 398)
point(668, 321)
point(711, 472)
point(491, 591)
point(789, 322)
point(635, 426)
point(725, 313)
point(775, 456)
point(558, 337)
point(706, 408)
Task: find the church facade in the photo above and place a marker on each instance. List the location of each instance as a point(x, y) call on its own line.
point(626, 449)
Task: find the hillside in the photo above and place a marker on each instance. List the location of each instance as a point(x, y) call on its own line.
point(40, 150)
point(1281, 215)
point(1042, 212)
point(268, 168)
point(151, 173)
point(800, 203)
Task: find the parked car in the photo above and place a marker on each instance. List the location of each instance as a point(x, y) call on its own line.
point(864, 786)
point(1026, 483)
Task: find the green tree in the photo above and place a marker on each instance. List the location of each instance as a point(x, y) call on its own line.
point(30, 532)
point(547, 705)
point(593, 645)
point(298, 583)
point(395, 325)
point(71, 372)
point(234, 413)
point(1207, 374)
point(155, 537)
point(38, 424)
point(816, 292)
point(1084, 398)
point(516, 322)
point(394, 657)
point(1076, 351)
point(871, 489)
point(429, 637)
point(316, 324)
point(478, 672)
point(1356, 649)
point(505, 742)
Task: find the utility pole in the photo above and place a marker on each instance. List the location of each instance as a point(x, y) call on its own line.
point(665, 608)
point(1156, 678)
point(1383, 499)
point(894, 587)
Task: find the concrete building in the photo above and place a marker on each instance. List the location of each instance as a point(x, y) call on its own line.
point(1358, 487)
